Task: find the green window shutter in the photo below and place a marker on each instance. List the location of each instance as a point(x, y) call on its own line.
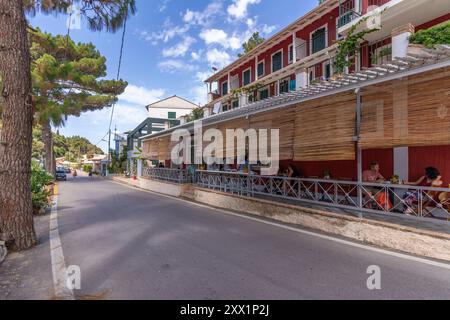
point(247, 77)
point(277, 61)
point(319, 40)
point(261, 69)
point(172, 115)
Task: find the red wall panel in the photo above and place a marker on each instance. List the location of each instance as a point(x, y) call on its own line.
point(328, 19)
point(434, 22)
point(346, 169)
point(423, 157)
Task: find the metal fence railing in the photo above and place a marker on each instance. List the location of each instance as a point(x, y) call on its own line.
point(366, 197)
point(170, 175)
point(348, 11)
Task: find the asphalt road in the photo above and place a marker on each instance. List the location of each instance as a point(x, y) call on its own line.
point(132, 244)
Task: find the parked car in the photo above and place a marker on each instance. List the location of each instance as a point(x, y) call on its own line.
point(61, 175)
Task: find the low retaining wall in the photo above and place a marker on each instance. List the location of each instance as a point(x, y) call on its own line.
point(392, 236)
point(167, 188)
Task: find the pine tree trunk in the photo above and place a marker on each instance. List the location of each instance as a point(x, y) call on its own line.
point(49, 156)
point(16, 210)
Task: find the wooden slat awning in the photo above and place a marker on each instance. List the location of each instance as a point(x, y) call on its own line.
point(324, 129)
point(414, 111)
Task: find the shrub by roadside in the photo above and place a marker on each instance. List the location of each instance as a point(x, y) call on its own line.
point(41, 188)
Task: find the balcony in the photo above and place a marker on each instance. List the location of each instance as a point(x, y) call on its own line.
point(350, 10)
point(318, 42)
point(392, 14)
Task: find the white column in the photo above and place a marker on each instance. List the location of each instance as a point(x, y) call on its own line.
point(294, 47)
point(400, 40)
point(400, 43)
point(358, 6)
point(301, 79)
point(139, 168)
point(401, 163)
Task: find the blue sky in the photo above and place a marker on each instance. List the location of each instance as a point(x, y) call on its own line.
point(170, 48)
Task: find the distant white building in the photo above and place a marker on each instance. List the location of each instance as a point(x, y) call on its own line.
point(171, 108)
point(162, 115)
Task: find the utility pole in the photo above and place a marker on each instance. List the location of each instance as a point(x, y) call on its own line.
point(109, 152)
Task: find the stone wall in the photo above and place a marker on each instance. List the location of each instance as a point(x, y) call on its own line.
point(411, 240)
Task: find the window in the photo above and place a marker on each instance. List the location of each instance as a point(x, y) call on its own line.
point(284, 86)
point(235, 104)
point(225, 88)
point(327, 70)
point(264, 94)
point(172, 115)
point(291, 53)
point(312, 74)
point(319, 40)
point(277, 61)
point(261, 69)
point(247, 77)
point(225, 108)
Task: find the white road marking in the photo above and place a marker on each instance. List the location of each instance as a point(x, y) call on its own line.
point(59, 269)
point(305, 232)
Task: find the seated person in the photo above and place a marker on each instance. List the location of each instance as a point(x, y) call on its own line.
point(373, 175)
point(292, 172)
point(432, 178)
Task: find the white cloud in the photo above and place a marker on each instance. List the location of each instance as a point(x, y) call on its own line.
point(172, 66)
point(204, 17)
point(140, 95)
point(268, 29)
point(213, 36)
point(218, 58)
point(129, 115)
point(218, 36)
point(163, 5)
point(168, 32)
point(239, 8)
point(199, 94)
point(180, 49)
point(196, 55)
point(201, 76)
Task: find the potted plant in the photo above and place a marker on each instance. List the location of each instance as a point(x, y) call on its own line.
point(429, 38)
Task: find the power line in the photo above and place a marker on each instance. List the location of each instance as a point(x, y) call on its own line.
point(117, 78)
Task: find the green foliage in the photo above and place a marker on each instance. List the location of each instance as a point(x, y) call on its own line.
point(254, 41)
point(66, 78)
point(40, 179)
point(431, 37)
point(375, 58)
point(87, 167)
point(108, 14)
point(38, 145)
point(118, 163)
point(73, 147)
point(350, 46)
point(196, 114)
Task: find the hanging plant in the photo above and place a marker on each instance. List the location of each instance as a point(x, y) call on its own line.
point(350, 45)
